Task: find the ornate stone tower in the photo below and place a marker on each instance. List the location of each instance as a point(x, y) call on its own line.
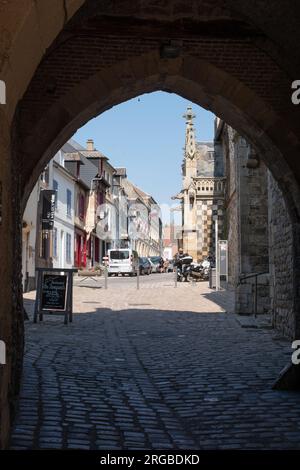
point(202, 194)
point(189, 172)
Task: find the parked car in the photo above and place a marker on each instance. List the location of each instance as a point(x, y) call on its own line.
point(158, 263)
point(171, 266)
point(153, 266)
point(122, 261)
point(145, 266)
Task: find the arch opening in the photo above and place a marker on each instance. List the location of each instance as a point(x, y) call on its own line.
point(84, 64)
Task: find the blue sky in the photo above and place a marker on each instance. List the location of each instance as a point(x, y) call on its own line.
point(146, 135)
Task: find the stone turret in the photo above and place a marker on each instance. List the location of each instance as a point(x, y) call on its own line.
point(190, 141)
point(189, 172)
point(202, 193)
point(189, 163)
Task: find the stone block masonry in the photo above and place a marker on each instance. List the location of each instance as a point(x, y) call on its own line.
point(246, 224)
point(281, 262)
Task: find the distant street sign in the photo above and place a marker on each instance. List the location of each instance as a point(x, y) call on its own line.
point(223, 258)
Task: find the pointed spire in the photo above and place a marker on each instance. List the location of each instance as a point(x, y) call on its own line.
point(190, 140)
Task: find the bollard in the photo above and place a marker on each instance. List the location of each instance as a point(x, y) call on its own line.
point(175, 279)
point(105, 277)
point(138, 278)
point(255, 297)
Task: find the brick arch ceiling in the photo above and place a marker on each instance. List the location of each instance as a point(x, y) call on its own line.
point(104, 56)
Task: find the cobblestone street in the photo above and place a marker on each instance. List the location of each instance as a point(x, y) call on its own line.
point(155, 368)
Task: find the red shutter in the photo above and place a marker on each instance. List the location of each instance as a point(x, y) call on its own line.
point(84, 252)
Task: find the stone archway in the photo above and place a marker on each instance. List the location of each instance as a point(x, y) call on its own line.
point(197, 80)
point(231, 59)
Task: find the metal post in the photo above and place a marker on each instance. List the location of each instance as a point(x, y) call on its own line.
point(138, 277)
point(68, 303)
point(41, 316)
point(71, 296)
point(105, 277)
point(217, 256)
point(175, 279)
point(37, 298)
point(255, 297)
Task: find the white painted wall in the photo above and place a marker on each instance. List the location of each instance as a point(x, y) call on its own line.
point(29, 235)
point(63, 221)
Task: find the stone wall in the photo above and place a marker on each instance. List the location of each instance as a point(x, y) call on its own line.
point(253, 195)
point(281, 262)
point(260, 236)
point(231, 221)
point(246, 224)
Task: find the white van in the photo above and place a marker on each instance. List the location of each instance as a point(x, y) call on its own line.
point(122, 261)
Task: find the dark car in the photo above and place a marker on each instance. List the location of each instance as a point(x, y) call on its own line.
point(158, 263)
point(170, 268)
point(145, 265)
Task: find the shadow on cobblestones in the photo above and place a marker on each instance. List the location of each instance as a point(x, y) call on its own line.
point(224, 298)
point(141, 378)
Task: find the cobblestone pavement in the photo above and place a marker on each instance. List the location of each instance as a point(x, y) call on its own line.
point(158, 368)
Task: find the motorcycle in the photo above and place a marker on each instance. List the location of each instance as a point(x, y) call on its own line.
point(184, 268)
point(196, 271)
point(200, 271)
point(206, 266)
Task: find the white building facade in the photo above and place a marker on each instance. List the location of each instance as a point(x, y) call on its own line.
point(29, 231)
point(63, 231)
point(89, 192)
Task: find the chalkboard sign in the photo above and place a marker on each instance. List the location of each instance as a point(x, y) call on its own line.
point(53, 292)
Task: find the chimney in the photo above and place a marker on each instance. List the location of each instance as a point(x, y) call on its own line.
point(90, 145)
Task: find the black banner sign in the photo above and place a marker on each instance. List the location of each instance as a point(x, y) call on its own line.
point(54, 292)
point(235, 459)
point(48, 196)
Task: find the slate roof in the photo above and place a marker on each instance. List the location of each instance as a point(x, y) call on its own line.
point(72, 157)
point(93, 154)
point(209, 163)
point(134, 192)
point(73, 153)
point(72, 146)
point(121, 171)
point(129, 189)
point(141, 193)
point(204, 143)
